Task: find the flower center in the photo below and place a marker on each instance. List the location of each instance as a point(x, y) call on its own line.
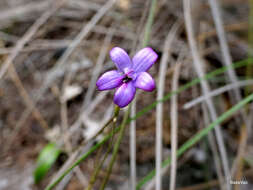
point(126, 79)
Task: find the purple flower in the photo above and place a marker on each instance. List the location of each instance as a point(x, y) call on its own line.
point(131, 74)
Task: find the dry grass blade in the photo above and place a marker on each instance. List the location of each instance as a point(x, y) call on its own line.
point(70, 161)
point(133, 147)
point(174, 126)
point(28, 101)
point(28, 35)
point(217, 92)
point(132, 131)
point(238, 166)
point(228, 62)
point(24, 9)
point(99, 98)
point(60, 65)
point(224, 46)
point(8, 63)
point(214, 148)
point(159, 108)
point(205, 88)
point(98, 68)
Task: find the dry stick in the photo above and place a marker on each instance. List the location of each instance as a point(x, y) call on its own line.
point(212, 142)
point(182, 54)
point(70, 160)
point(98, 68)
point(39, 45)
point(228, 62)
point(101, 58)
point(28, 35)
point(217, 92)
point(174, 126)
point(205, 87)
point(102, 55)
point(244, 133)
point(214, 149)
point(77, 170)
point(239, 157)
point(224, 47)
point(28, 101)
point(64, 118)
point(64, 113)
point(14, 76)
point(44, 45)
point(24, 9)
point(150, 185)
point(228, 28)
point(159, 108)
point(86, 107)
point(97, 100)
point(61, 64)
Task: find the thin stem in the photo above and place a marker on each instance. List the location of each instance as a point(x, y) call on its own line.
point(112, 119)
point(92, 149)
point(145, 110)
point(115, 150)
point(99, 165)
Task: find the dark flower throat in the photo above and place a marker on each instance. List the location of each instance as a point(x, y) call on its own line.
point(126, 79)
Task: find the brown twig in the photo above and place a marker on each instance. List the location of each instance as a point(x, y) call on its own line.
point(28, 35)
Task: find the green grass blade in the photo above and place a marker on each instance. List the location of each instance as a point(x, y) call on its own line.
point(82, 158)
point(196, 138)
point(148, 108)
point(195, 81)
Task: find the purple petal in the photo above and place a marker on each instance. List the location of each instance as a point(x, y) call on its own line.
point(109, 80)
point(120, 58)
point(124, 94)
point(144, 59)
point(145, 82)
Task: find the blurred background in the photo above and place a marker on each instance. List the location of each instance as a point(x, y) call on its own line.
point(53, 51)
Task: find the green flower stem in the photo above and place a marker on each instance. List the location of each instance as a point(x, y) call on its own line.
point(126, 115)
point(97, 168)
point(112, 119)
point(116, 149)
point(99, 165)
point(148, 108)
point(91, 150)
point(196, 138)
